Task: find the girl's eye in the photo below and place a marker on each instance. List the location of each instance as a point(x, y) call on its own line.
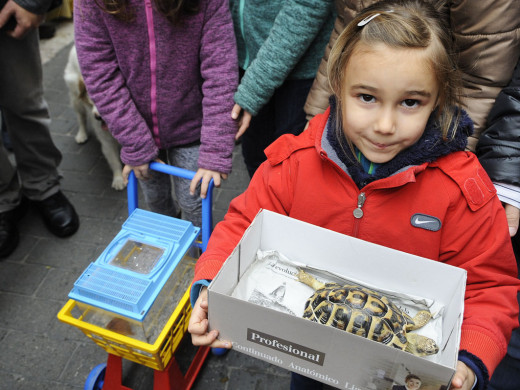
point(410, 103)
point(367, 98)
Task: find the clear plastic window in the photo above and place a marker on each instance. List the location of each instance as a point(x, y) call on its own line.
point(137, 256)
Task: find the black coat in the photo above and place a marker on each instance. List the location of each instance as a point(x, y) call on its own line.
point(498, 148)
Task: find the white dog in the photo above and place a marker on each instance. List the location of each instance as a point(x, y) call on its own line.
point(88, 113)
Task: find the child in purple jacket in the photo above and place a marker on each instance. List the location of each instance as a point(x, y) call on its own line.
point(162, 74)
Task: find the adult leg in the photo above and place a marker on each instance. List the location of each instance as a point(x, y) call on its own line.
point(10, 190)
point(283, 114)
point(27, 121)
point(5, 137)
point(27, 116)
point(10, 187)
point(290, 118)
point(257, 137)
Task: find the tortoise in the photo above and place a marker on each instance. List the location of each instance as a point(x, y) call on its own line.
point(366, 313)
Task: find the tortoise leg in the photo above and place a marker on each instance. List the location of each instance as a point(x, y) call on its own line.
point(421, 318)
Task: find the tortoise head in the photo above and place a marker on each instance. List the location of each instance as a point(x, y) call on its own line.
point(421, 345)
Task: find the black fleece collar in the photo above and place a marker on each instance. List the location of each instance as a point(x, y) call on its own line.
point(428, 148)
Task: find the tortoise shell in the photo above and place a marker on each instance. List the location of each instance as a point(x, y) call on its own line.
point(360, 311)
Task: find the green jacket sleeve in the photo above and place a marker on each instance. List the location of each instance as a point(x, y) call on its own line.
point(294, 29)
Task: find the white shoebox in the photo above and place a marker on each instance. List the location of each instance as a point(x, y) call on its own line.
point(330, 355)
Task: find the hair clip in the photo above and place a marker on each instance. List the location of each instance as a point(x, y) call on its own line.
point(369, 18)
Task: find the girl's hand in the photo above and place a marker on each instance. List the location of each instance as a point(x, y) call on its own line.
point(464, 377)
point(244, 120)
point(140, 171)
point(198, 324)
point(205, 175)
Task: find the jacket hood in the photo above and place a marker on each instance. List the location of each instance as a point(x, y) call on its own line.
point(428, 148)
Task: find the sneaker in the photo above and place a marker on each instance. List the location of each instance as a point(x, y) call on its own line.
point(58, 215)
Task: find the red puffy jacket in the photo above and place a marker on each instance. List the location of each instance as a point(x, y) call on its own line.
point(467, 227)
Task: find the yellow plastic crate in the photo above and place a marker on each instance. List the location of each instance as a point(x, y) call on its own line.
point(156, 356)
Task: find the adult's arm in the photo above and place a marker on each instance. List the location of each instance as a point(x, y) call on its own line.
point(293, 31)
point(498, 148)
point(27, 14)
point(487, 34)
point(38, 7)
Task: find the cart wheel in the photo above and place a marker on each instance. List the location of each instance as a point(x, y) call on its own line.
point(219, 351)
point(96, 378)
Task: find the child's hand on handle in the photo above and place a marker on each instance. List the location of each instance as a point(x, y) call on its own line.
point(463, 379)
point(205, 175)
point(198, 325)
point(244, 120)
point(141, 172)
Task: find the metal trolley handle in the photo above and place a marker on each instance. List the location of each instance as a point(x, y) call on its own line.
point(207, 202)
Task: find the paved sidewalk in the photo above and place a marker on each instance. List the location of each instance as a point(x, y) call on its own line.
point(37, 351)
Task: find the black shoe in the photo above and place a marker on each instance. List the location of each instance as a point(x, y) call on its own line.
point(9, 236)
point(58, 215)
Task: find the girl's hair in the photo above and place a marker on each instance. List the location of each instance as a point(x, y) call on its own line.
point(405, 24)
point(173, 10)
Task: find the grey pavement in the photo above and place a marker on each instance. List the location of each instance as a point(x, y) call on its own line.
point(37, 351)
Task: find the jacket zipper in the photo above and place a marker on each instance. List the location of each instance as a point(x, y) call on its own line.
point(362, 197)
point(153, 69)
point(241, 15)
point(358, 212)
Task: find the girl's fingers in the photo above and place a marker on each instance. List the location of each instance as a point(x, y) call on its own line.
point(235, 112)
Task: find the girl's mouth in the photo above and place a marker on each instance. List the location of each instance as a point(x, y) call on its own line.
point(377, 145)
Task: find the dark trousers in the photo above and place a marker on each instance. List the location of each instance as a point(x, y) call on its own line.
point(27, 121)
point(300, 382)
point(283, 114)
point(507, 374)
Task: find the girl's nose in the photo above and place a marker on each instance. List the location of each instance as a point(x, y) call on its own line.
point(386, 121)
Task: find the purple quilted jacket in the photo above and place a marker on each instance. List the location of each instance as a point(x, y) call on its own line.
point(157, 85)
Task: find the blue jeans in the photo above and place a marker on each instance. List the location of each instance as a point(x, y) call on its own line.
point(283, 114)
point(507, 374)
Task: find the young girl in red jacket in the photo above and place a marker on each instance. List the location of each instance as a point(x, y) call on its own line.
point(386, 164)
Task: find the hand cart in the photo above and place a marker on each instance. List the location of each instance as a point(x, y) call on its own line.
point(158, 355)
